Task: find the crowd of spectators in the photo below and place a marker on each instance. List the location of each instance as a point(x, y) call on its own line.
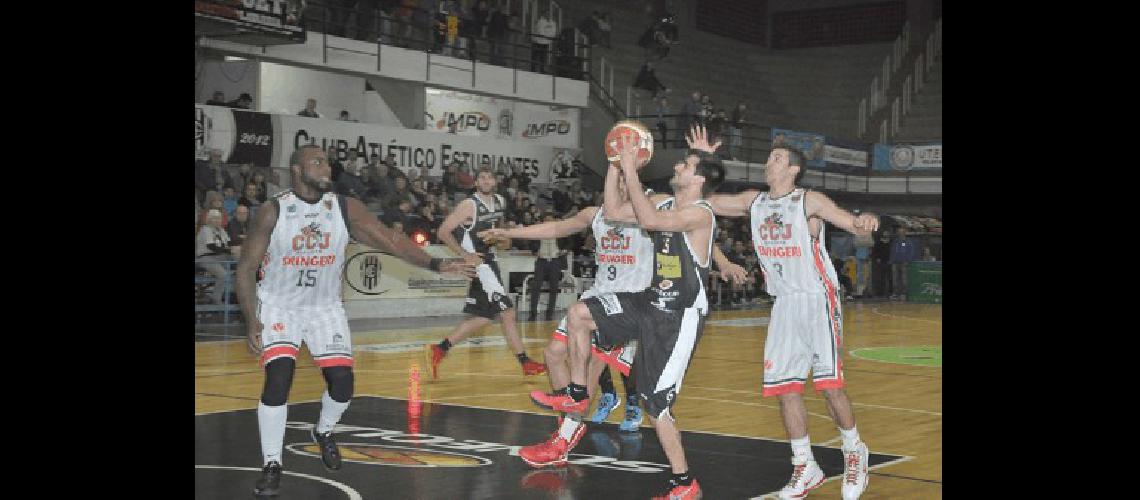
point(491, 31)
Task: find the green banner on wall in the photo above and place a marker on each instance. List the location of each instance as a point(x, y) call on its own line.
point(924, 282)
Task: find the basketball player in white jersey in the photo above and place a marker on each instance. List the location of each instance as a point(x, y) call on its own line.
point(486, 297)
point(625, 264)
point(298, 239)
point(806, 330)
point(667, 318)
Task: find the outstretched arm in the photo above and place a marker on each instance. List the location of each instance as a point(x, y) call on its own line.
point(728, 270)
point(544, 231)
point(368, 230)
point(819, 205)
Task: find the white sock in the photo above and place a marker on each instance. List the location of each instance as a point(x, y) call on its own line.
point(330, 413)
point(850, 437)
point(569, 425)
point(271, 424)
point(801, 448)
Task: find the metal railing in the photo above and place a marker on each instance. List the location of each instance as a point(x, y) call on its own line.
point(418, 29)
point(901, 98)
point(227, 308)
point(754, 145)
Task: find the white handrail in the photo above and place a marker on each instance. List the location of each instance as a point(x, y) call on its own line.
point(862, 127)
point(930, 52)
point(906, 95)
point(875, 94)
point(895, 117)
point(887, 73)
point(918, 79)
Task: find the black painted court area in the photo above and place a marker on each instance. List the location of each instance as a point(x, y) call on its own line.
point(453, 452)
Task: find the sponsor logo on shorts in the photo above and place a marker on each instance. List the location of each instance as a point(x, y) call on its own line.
point(666, 284)
point(768, 364)
point(278, 327)
point(610, 303)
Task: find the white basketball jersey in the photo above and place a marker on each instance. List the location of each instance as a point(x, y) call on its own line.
point(624, 254)
point(302, 266)
point(793, 261)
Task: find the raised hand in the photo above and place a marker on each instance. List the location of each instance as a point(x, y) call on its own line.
point(698, 138)
point(493, 235)
point(867, 221)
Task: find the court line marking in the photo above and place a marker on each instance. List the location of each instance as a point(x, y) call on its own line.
point(352, 494)
point(875, 310)
point(902, 459)
point(853, 403)
point(855, 353)
point(547, 414)
point(750, 403)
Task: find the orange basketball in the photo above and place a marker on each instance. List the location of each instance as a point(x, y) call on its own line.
point(637, 130)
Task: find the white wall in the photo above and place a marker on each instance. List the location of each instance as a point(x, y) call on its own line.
point(231, 77)
point(284, 89)
point(411, 65)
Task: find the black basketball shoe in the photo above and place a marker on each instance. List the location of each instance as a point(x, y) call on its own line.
point(270, 483)
point(330, 454)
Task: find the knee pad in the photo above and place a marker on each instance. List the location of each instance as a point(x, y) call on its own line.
point(340, 381)
point(278, 380)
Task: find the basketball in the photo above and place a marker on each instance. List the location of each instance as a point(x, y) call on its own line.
point(636, 129)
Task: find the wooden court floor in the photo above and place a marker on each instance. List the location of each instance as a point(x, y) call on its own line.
point(897, 400)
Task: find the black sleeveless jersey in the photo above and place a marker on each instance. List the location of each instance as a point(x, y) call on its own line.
point(486, 217)
point(679, 281)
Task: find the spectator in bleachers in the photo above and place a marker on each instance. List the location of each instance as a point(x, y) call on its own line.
point(863, 245)
point(219, 99)
point(516, 36)
point(663, 127)
point(659, 37)
point(688, 116)
point(904, 250)
point(400, 210)
point(244, 101)
point(210, 174)
point(352, 185)
point(480, 18)
point(604, 29)
point(346, 117)
point(497, 22)
point(213, 201)
point(262, 186)
point(310, 109)
point(718, 126)
point(402, 193)
point(239, 226)
point(706, 112)
point(647, 80)
point(229, 200)
point(543, 34)
point(379, 184)
point(213, 244)
point(565, 63)
point(249, 197)
point(464, 177)
point(736, 129)
point(927, 255)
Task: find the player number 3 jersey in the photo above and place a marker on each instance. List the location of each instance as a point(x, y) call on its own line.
point(303, 264)
point(792, 259)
